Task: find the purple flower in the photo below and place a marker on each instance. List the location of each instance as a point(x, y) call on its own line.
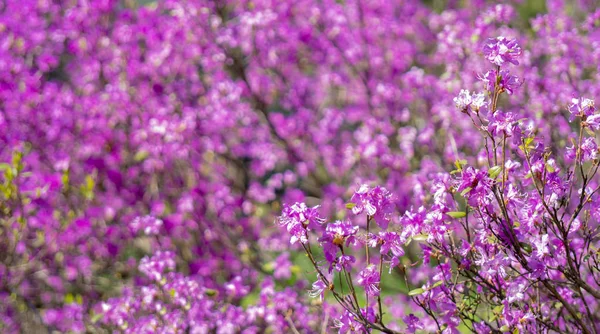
point(503, 123)
point(593, 121)
point(369, 280)
point(391, 241)
point(150, 225)
point(334, 237)
point(582, 107)
point(506, 82)
point(467, 102)
point(463, 100)
point(154, 267)
point(412, 323)
point(541, 246)
point(298, 219)
point(347, 323)
point(474, 185)
point(377, 202)
point(344, 262)
point(340, 233)
point(589, 149)
point(500, 50)
point(516, 290)
point(318, 289)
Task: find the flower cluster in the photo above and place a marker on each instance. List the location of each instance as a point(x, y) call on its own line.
point(511, 230)
point(146, 147)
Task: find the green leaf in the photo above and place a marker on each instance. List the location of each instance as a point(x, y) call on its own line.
point(549, 168)
point(96, 316)
point(464, 192)
point(526, 247)
point(457, 214)
point(436, 284)
point(494, 171)
point(459, 164)
point(504, 328)
point(350, 206)
point(69, 299)
point(420, 237)
point(4, 166)
point(140, 155)
point(416, 292)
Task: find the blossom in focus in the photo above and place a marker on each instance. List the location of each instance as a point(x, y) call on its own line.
point(475, 185)
point(506, 82)
point(501, 50)
point(502, 123)
point(347, 323)
point(318, 289)
point(369, 280)
point(340, 233)
point(299, 218)
point(581, 107)
point(392, 241)
point(337, 235)
point(463, 100)
point(376, 202)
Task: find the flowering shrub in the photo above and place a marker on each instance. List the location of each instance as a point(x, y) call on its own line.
point(146, 147)
point(511, 246)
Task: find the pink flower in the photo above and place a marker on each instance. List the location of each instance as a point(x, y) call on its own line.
point(500, 50)
point(377, 202)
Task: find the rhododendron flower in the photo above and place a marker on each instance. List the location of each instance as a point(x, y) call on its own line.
point(500, 50)
point(581, 107)
point(299, 218)
point(369, 278)
point(391, 241)
point(376, 202)
point(474, 185)
point(335, 236)
point(502, 123)
point(318, 289)
point(347, 323)
point(340, 233)
point(344, 262)
point(412, 323)
point(150, 225)
point(506, 82)
point(155, 267)
point(463, 100)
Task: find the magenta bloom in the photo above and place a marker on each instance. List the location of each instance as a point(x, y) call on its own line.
point(347, 323)
point(150, 225)
point(339, 233)
point(318, 289)
point(508, 83)
point(369, 280)
point(335, 236)
point(156, 266)
point(502, 123)
point(393, 242)
point(299, 218)
point(501, 50)
point(475, 185)
point(583, 108)
point(377, 202)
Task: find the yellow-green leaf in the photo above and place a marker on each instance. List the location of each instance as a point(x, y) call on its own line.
point(457, 214)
